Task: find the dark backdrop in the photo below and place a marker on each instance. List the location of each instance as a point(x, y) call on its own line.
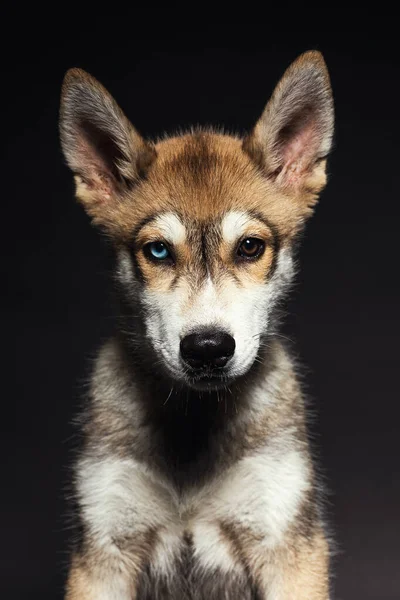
point(344, 313)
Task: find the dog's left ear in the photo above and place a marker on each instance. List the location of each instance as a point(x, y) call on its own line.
point(293, 137)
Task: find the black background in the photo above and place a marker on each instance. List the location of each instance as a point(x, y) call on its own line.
point(344, 313)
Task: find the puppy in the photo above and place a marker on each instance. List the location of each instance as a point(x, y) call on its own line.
point(196, 480)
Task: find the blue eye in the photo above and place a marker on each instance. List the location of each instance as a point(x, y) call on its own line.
point(157, 251)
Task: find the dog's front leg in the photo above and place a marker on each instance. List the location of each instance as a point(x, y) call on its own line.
point(100, 577)
point(297, 572)
point(120, 509)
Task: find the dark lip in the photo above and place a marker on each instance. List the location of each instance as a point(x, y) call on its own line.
point(208, 380)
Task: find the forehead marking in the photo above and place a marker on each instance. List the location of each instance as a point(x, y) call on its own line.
point(171, 227)
point(233, 225)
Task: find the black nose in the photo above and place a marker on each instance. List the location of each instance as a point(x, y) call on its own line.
point(210, 348)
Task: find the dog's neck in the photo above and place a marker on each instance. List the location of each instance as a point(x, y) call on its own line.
point(188, 434)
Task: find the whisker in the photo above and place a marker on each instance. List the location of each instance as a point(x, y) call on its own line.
point(284, 337)
point(169, 396)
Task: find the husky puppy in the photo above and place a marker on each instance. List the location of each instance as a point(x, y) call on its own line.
point(195, 480)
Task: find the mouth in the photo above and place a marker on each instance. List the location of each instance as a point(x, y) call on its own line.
point(210, 379)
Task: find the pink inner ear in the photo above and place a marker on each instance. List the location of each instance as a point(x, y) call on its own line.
point(299, 149)
point(95, 170)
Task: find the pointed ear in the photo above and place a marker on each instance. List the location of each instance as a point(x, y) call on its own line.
point(105, 152)
point(294, 134)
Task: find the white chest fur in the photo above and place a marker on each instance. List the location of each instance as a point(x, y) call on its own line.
point(262, 493)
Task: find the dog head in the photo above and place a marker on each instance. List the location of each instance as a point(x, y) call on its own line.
point(203, 223)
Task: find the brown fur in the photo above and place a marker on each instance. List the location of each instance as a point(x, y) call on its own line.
point(204, 174)
point(91, 567)
point(189, 261)
point(202, 194)
point(124, 182)
point(299, 569)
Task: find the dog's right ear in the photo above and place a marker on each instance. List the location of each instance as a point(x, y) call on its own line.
point(105, 152)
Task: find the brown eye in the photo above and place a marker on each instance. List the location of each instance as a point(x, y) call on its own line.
point(251, 248)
